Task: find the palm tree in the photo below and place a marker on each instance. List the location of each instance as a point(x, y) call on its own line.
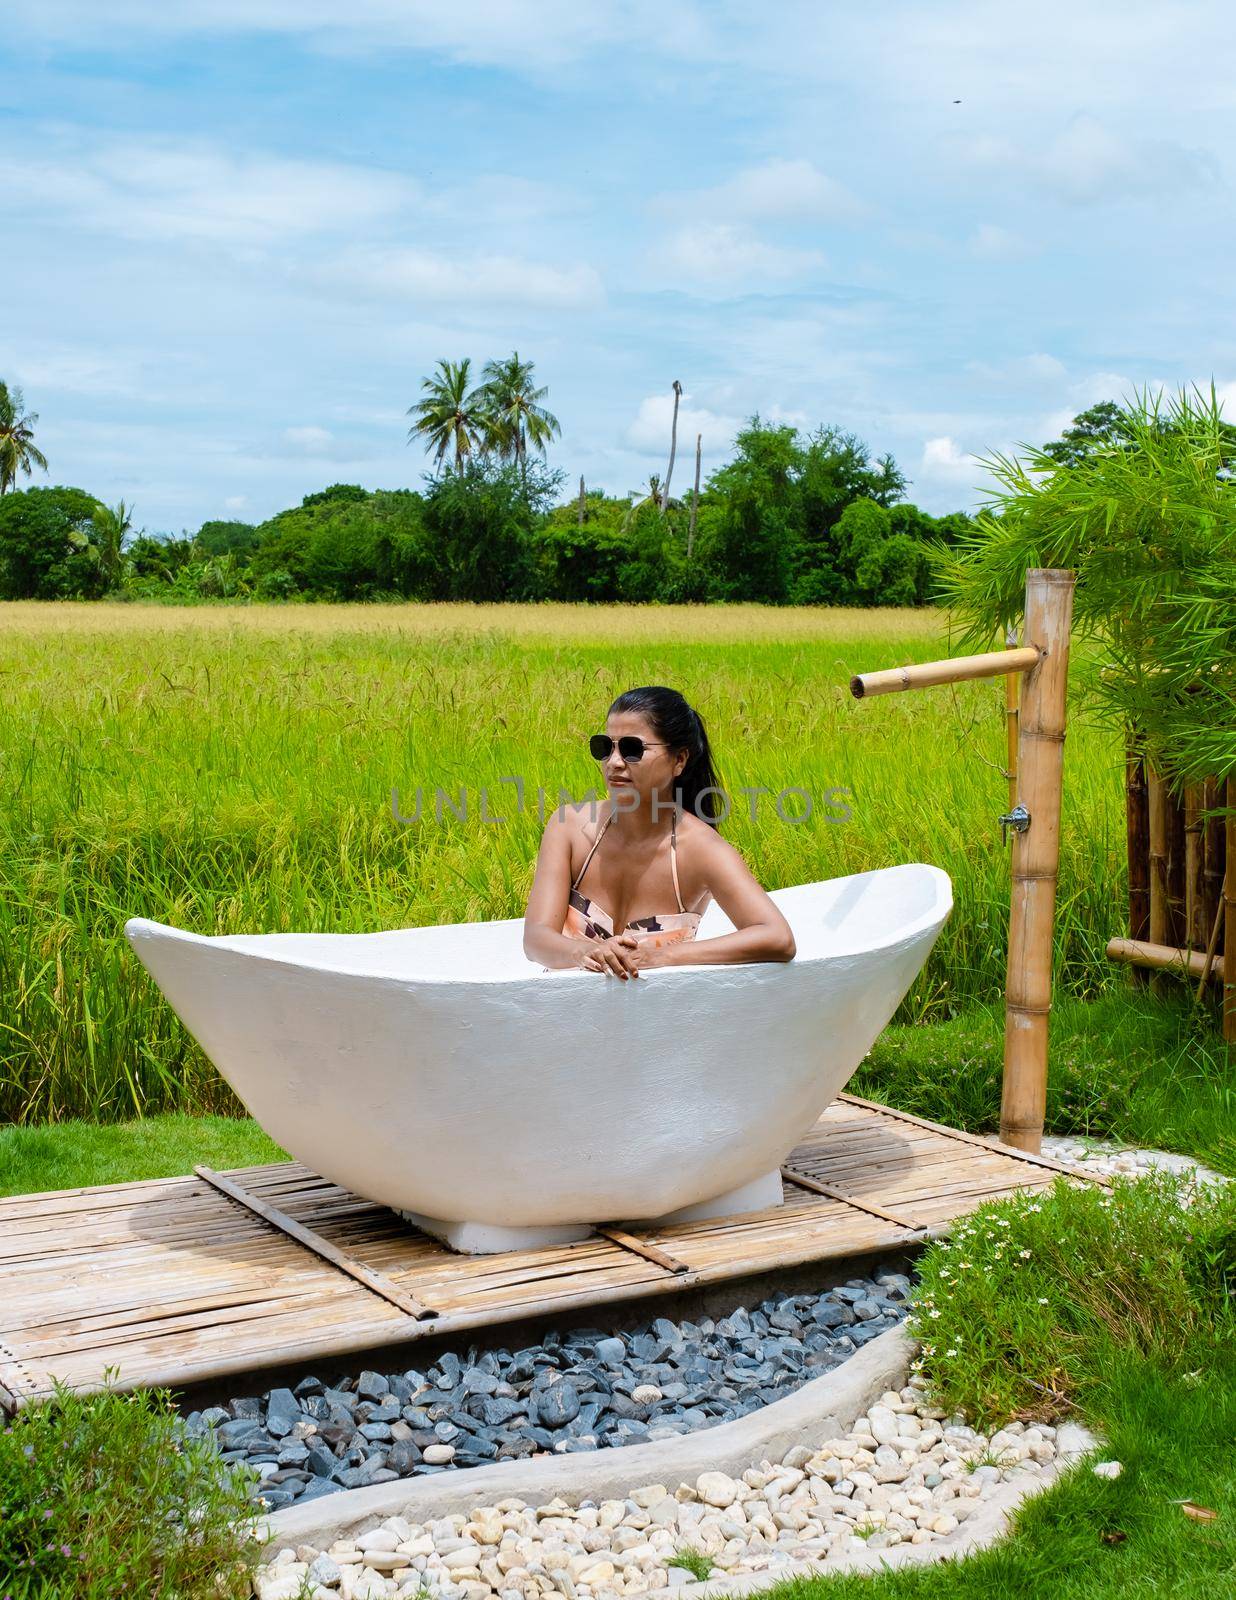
point(451, 414)
point(17, 447)
point(518, 419)
point(112, 526)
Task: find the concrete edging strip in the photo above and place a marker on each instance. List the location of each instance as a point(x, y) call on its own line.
point(821, 1409)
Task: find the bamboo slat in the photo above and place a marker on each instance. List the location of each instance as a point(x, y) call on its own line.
point(174, 1282)
point(1137, 824)
point(806, 1182)
point(1031, 1157)
point(1177, 919)
point(1213, 851)
point(641, 1247)
point(1197, 928)
point(373, 1281)
point(1156, 791)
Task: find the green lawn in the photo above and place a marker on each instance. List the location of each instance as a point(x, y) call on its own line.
point(72, 1155)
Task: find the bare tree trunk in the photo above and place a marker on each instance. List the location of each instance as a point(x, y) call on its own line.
point(669, 471)
point(581, 499)
point(695, 498)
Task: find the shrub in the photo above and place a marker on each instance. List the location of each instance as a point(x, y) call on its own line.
point(1019, 1311)
point(47, 546)
point(105, 1496)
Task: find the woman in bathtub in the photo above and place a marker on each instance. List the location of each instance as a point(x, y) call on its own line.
point(622, 886)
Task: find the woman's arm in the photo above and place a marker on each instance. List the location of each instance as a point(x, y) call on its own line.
point(544, 940)
point(761, 933)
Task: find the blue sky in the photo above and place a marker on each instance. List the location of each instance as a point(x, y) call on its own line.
point(238, 233)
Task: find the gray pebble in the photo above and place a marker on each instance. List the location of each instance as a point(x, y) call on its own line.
point(571, 1393)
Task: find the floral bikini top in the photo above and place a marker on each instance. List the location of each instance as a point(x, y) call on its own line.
point(586, 920)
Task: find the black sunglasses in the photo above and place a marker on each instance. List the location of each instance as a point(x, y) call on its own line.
point(630, 747)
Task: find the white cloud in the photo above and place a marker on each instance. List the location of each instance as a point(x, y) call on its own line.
point(649, 432)
point(1043, 366)
point(165, 188)
point(720, 256)
point(943, 457)
point(236, 502)
point(420, 275)
point(312, 441)
point(782, 189)
point(525, 35)
point(1088, 162)
point(68, 369)
point(1038, 368)
point(990, 242)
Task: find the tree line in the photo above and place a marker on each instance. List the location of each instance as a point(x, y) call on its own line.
point(793, 518)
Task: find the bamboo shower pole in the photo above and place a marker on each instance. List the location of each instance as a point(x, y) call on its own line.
point(1036, 857)
point(1012, 695)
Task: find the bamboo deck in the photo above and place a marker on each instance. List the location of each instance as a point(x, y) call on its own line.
point(176, 1281)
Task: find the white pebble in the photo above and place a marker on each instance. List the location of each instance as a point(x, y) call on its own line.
point(716, 1489)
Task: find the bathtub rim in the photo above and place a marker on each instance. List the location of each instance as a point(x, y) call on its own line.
point(137, 929)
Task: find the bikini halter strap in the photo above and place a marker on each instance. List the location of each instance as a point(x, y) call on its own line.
point(579, 875)
point(674, 857)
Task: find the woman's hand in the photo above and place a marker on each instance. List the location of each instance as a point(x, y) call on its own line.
point(623, 956)
point(619, 957)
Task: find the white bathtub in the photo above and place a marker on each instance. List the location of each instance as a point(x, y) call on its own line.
point(440, 1072)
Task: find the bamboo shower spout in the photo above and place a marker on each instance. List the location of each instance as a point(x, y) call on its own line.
point(956, 669)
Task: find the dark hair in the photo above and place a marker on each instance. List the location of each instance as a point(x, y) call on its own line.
point(682, 728)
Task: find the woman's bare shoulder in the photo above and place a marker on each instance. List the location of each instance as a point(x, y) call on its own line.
point(701, 839)
point(571, 820)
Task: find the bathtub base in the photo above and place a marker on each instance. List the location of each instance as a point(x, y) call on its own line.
point(488, 1239)
point(757, 1195)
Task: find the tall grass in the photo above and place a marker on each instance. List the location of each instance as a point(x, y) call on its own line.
point(232, 769)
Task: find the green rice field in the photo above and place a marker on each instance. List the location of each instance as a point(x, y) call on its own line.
point(232, 769)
